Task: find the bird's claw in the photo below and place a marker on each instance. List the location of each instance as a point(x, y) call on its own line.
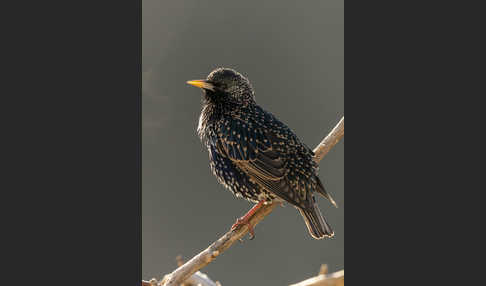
point(240, 222)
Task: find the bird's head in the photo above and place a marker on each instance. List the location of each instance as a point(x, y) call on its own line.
point(225, 86)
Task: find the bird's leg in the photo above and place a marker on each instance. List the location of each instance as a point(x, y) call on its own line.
point(246, 219)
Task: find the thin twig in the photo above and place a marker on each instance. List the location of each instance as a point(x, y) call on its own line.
point(219, 246)
point(333, 279)
point(323, 269)
point(196, 279)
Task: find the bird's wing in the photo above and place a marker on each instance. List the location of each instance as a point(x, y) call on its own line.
point(227, 173)
point(254, 149)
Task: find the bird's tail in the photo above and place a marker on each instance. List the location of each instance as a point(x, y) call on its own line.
point(316, 224)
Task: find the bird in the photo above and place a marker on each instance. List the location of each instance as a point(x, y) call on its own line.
point(255, 155)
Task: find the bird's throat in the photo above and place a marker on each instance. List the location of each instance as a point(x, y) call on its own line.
point(210, 114)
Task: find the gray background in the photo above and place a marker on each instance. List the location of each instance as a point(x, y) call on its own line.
point(293, 53)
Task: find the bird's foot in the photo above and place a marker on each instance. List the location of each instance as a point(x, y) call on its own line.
point(245, 220)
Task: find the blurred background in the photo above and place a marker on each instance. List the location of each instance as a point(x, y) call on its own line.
point(293, 54)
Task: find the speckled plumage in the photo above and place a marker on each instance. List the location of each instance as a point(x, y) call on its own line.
point(255, 155)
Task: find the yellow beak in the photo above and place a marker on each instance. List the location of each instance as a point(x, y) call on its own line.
point(201, 84)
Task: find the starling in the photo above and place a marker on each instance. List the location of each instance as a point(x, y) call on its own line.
point(255, 155)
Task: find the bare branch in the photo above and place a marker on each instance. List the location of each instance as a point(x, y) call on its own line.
point(196, 279)
point(219, 246)
point(214, 250)
point(334, 279)
point(331, 139)
point(199, 279)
